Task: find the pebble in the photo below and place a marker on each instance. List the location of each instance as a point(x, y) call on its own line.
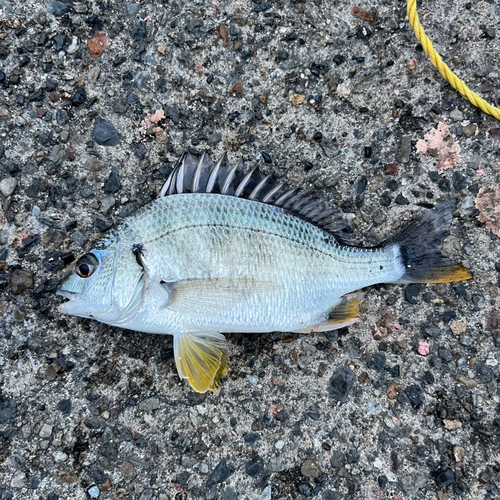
point(8, 409)
point(79, 97)
point(279, 445)
point(222, 471)
point(265, 495)
point(105, 134)
point(469, 130)
point(62, 117)
point(254, 466)
point(97, 44)
point(340, 384)
point(19, 480)
point(113, 184)
point(92, 164)
point(56, 8)
point(403, 153)
point(142, 79)
point(466, 381)
point(147, 494)
point(60, 456)
point(74, 45)
point(20, 281)
point(8, 186)
point(253, 379)
point(107, 203)
point(457, 115)
point(46, 431)
point(94, 492)
point(310, 469)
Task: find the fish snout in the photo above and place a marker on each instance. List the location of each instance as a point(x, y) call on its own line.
point(71, 296)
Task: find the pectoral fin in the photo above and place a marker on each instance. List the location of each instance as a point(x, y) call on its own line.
point(205, 296)
point(201, 359)
point(344, 314)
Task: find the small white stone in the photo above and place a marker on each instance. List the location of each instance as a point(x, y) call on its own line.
point(18, 480)
point(46, 431)
point(254, 380)
point(279, 445)
point(60, 456)
point(204, 468)
point(7, 186)
point(73, 46)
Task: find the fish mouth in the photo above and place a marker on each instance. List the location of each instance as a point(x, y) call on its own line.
point(71, 296)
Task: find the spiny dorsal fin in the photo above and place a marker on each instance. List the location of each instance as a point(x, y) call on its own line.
point(205, 176)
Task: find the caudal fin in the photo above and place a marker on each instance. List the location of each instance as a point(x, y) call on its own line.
point(420, 243)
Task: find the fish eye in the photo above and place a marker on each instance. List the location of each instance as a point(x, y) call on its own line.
point(86, 265)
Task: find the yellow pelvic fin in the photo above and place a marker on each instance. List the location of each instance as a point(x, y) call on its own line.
point(444, 274)
point(201, 359)
point(346, 313)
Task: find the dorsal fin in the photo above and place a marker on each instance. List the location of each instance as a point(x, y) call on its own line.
point(205, 176)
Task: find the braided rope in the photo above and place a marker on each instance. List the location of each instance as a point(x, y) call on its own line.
point(435, 58)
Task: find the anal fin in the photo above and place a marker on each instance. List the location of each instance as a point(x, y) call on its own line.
point(201, 359)
point(344, 314)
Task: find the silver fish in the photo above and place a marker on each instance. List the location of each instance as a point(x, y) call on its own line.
point(224, 251)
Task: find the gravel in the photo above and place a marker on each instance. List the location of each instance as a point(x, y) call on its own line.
point(97, 101)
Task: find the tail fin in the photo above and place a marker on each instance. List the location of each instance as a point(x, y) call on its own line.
point(420, 243)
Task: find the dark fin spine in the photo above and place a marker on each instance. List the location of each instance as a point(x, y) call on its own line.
point(420, 243)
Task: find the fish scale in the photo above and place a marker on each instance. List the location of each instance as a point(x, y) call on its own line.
point(242, 254)
point(216, 236)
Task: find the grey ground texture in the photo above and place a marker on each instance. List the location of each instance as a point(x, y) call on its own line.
point(404, 404)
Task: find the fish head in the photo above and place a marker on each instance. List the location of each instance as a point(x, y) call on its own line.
point(104, 284)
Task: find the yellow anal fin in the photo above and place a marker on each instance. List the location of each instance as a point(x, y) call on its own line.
point(344, 314)
point(201, 359)
point(444, 274)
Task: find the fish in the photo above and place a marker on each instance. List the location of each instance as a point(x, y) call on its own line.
point(225, 250)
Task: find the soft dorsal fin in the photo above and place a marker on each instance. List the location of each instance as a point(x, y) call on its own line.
point(206, 176)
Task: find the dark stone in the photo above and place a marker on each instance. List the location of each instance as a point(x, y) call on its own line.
point(1, 149)
point(113, 184)
point(62, 117)
point(262, 7)
point(330, 495)
point(222, 472)
point(102, 224)
point(37, 96)
point(254, 467)
point(56, 8)
point(266, 157)
point(338, 59)
point(120, 106)
point(337, 459)
point(304, 489)
point(340, 384)
point(401, 200)
point(8, 409)
point(416, 396)
point(64, 406)
point(359, 192)
point(445, 478)
point(79, 97)
point(382, 481)
point(105, 134)
point(411, 293)
point(87, 192)
point(352, 456)
point(251, 437)
point(376, 362)
point(139, 31)
point(229, 494)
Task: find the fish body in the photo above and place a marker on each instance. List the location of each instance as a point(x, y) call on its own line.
point(199, 264)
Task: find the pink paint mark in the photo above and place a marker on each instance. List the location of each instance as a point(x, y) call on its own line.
point(423, 348)
point(480, 171)
point(273, 411)
point(440, 144)
point(198, 68)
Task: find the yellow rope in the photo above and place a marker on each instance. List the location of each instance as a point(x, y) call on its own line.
point(435, 58)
